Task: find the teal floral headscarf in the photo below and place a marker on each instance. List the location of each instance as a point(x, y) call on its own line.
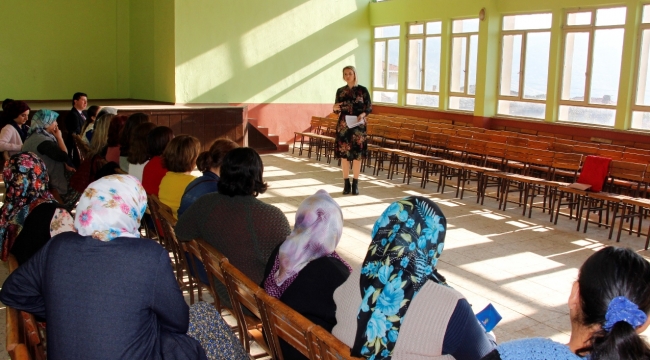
point(407, 241)
point(41, 120)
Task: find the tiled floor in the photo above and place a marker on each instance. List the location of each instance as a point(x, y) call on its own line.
point(525, 267)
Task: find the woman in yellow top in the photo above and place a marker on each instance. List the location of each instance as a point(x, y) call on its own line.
point(179, 158)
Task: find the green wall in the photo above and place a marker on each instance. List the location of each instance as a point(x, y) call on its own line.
point(284, 51)
point(152, 50)
point(51, 49)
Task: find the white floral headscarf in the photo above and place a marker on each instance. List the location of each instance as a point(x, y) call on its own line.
point(111, 207)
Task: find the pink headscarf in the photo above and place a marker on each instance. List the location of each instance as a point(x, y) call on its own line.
point(318, 230)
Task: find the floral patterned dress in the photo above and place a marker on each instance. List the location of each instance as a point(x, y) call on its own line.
point(351, 144)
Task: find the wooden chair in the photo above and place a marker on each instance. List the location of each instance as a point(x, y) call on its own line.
point(23, 340)
point(181, 262)
point(327, 347)
point(212, 260)
point(197, 267)
point(282, 322)
point(82, 147)
point(243, 291)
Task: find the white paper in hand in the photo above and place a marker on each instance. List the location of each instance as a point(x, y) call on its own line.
point(352, 121)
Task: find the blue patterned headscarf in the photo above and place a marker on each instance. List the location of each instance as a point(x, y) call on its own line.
point(407, 241)
point(111, 207)
point(41, 120)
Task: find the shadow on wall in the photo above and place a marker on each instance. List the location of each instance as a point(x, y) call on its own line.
point(291, 53)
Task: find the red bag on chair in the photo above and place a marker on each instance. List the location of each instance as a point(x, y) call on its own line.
point(594, 172)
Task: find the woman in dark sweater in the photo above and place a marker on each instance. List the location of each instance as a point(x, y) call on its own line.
point(304, 271)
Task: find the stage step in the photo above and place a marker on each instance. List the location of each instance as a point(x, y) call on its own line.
point(261, 140)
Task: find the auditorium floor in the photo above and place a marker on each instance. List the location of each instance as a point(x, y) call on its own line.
point(524, 267)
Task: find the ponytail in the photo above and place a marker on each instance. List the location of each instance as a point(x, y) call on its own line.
point(621, 342)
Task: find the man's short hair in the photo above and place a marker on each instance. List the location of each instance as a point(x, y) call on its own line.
point(77, 96)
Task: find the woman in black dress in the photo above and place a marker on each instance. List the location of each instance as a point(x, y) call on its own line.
point(351, 145)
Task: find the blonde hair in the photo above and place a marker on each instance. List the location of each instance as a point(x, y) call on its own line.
point(100, 134)
point(354, 70)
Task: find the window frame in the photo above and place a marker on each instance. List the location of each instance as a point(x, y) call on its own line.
point(636, 107)
point(522, 66)
point(591, 30)
point(467, 36)
point(385, 70)
point(423, 71)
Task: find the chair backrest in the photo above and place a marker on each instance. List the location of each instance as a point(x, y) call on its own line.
point(242, 291)
point(610, 153)
point(585, 150)
point(636, 157)
point(516, 153)
point(327, 347)
point(212, 260)
point(541, 145)
point(517, 141)
point(540, 157)
point(282, 322)
point(33, 339)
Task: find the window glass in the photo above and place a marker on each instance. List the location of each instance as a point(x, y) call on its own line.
point(607, 17)
point(527, 22)
point(432, 64)
point(579, 18)
point(575, 65)
point(510, 65)
point(416, 29)
point(386, 31)
point(465, 26)
point(538, 46)
point(606, 68)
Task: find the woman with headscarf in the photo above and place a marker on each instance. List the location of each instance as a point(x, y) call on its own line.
point(104, 292)
point(304, 270)
point(29, 216)
point(46, 141)
point(14, 133)
point(397, 305)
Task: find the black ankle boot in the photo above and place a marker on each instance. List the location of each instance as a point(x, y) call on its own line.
point(355, 186)
point(346, 188)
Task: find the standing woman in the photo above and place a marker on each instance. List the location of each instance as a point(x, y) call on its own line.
point(351, 144)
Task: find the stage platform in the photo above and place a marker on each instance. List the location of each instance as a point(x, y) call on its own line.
point(207, 122)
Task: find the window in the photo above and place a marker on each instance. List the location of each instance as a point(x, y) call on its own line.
point(386, 64)
point(423, 72)
point(593, 47)
point(464, 53)
point(525, 42)
point(641, 107)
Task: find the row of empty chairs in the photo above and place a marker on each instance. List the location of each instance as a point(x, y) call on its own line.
point(260, 317)
point(531, 166)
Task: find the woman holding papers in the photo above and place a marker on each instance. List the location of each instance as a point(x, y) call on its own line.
point(353, 105)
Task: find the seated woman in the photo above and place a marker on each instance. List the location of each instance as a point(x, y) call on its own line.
point(154, 170)
point(243, 228)
point(95, 165)
point(138, 149)
point(608, 309)
point(208, 162)
point(127, 135)
point(305, 270)
point(397, 298)
point(89, 126)
point(179, 158)
point(29, 216)
point(114, 131)
point(104, 292)
point(14, 131)
point(45, 140)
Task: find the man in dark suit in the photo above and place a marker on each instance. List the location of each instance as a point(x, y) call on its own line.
point(73, 124)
